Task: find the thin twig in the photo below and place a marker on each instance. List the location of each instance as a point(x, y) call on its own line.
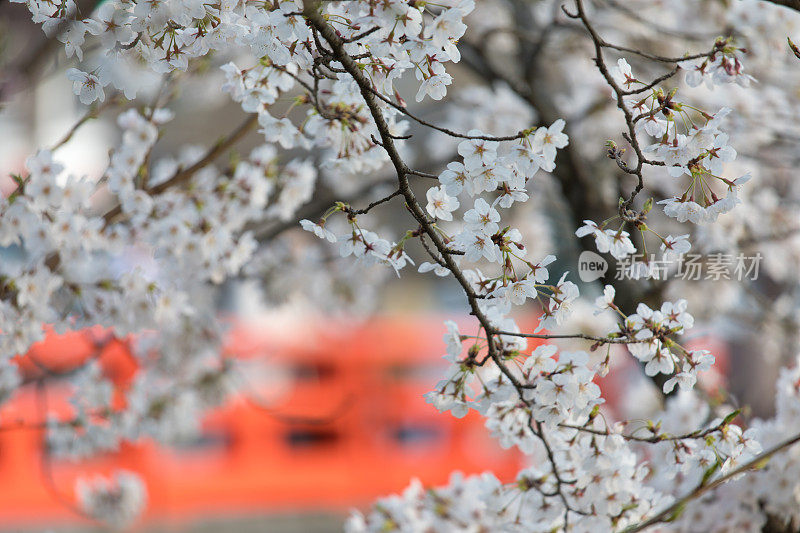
point(93, 113)
point(375, 203)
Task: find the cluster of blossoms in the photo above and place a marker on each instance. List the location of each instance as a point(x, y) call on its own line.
point(756, 495)
point(724, 65)
point(71, 276)
point(548, 401)
point(719, 446)
point(116, 501)
point(484, 503)
point(700, 152)
point(199, 234)
point(486, 168)
point(618, 242)
point(502, 171)
point(336, 116)
point(613, 488)
point(649, 331)
point(338, 65)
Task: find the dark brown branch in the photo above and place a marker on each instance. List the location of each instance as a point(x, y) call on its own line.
point(446, 131)
point(652, 84)
point(374, 204)
point(311, 12)
point(599, 340)
point(422, 174)
point(659, 437)
point(601, 66)
point(791, 4)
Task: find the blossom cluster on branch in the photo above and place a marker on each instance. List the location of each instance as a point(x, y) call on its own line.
point(324, 84)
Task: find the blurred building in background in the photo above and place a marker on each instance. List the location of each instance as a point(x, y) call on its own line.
point(330, 416)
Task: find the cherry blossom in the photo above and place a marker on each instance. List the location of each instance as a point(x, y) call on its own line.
point(324, 87)
point(440, 204)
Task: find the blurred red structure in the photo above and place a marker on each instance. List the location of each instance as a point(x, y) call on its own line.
point(351, 426)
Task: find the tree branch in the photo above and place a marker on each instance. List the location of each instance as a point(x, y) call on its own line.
point(791, 4)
